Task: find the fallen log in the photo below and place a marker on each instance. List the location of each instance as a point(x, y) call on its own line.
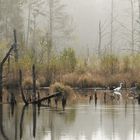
point(46, 98)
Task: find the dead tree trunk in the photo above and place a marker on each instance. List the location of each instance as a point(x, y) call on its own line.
point(28, 24)
point(1, 70)
point(34, 82)
point(111, 32)
point(1, 84)
point(132, 26)
point(1, 66)
point(139, 8)
point(15, 46)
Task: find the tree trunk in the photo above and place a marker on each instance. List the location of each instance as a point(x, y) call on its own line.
point(111, 32)
point(139, 8)
point(34, 82)
point(132, 26)
point(1, 83)
point(28, 26)
point(15, 46)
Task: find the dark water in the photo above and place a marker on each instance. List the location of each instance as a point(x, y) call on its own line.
point(81, 121)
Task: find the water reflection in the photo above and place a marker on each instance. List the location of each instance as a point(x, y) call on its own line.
point(21, 121)
point(82, 121)
point(3, 134)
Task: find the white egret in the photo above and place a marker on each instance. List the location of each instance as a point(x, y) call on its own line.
point(118, 88)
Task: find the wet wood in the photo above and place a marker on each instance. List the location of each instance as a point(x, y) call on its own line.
point(46, 98)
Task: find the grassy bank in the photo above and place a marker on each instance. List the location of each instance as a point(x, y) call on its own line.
point(71, 70)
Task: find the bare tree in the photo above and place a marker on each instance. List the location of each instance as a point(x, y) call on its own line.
point(59, 25)
point(139, 7)
point(111, 32)
point(132, 25)
point(10, 18)
point(100, 40)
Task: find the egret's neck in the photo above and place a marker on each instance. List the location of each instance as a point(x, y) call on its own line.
point(121, 85)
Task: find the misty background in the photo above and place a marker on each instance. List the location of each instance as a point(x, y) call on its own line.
point(75, 24)
point(87, 14)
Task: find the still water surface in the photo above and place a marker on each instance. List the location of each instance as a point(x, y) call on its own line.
point(81, 121)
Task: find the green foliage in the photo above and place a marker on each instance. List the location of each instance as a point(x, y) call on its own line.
point(68, 60)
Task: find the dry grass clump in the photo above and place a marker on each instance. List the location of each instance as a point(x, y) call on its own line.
point(64, 89)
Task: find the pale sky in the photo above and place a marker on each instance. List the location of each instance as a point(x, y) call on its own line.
point(88, 13)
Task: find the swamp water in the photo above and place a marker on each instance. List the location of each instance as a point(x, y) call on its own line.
point(119, 120)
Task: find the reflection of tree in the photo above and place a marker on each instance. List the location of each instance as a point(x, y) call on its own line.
point(38, 109)
point(34, 120)
point(12, 109)
point(16, 123)
point(70, 116)
point(113, 123)
point(125, 108)
point(21, 121)
point(133, 120)
point(1, 125)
